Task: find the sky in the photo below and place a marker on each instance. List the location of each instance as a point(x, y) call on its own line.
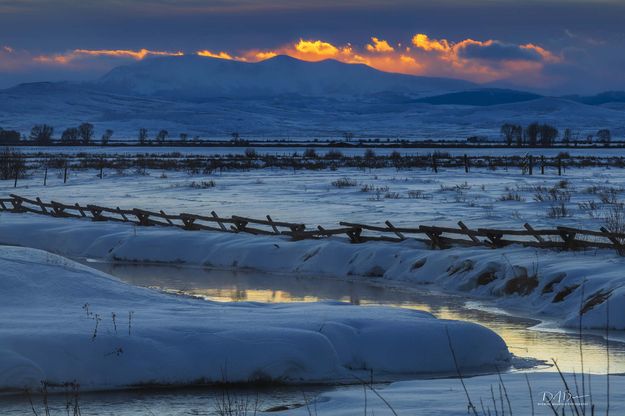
point(551, 46)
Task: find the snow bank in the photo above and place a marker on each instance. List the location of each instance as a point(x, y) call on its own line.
point(540, 282)
point(64, 322)
point(446, 397)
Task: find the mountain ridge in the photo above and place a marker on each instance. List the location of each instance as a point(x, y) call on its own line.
point(202, 77)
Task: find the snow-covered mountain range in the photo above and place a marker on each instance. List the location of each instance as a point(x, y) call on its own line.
point(284, 97)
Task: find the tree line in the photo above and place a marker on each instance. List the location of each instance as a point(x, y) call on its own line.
point(545, 135)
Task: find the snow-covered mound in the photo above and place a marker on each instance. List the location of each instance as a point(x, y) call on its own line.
point(200, 77)
point(64, 322)
point(543, 283)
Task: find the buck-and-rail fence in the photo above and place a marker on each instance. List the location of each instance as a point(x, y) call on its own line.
point(559, 238)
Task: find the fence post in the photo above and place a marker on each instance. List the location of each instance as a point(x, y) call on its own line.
point(542, 165)
point(45, 177)
point(531, 165)
point(434, 167)
point(65, 174)
point(559, 166)
point(466, 163)
point(618, 244)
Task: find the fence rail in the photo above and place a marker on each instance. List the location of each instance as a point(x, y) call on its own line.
point(561, 238)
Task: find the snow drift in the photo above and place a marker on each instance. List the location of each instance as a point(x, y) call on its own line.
point(542, 283)
point(63, 322)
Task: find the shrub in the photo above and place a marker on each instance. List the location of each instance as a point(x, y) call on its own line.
point(511, 196)
point(344, 182)
point(203, 184)
point(333, 154)
point(250, 153)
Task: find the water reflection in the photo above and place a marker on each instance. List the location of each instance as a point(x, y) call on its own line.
point(236, 286)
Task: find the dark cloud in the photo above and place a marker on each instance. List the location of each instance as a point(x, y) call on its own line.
point(498, 51)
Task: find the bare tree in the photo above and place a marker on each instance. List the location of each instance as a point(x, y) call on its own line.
point(161, 136)
point(184, 137)
point(567, 137)
point(143, 136)
point(106, 136)
point(42, 134)
point(86, 132)
point(604, 136)
point(531, 133)
point(12, 164)
point(548, 135)
point(70, 135)
point(507, 132)
point(517, 135)
point(9, 136)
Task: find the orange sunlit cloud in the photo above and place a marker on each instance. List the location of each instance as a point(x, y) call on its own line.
point(221, 55)
point(423, 41)
point(475, 60)
point(320, 49)
point(70, 56)
point(379, 46)
point(261, 56)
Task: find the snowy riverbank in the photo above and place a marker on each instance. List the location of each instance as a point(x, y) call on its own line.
point(522, 396)
point(542, 283)
point(64, 322)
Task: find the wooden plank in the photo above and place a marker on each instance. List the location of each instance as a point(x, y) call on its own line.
point(533, 232)
point(265, 222)
point(80, 209)
point(42, 206)
point(166, 217)
point(273, 225)
point(469, 232)
point(221, 224)
point(394, 230)
point(124, 217)
point(382, 229)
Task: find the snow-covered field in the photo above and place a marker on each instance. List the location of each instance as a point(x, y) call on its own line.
point(410, 197)
point(313, 342)
point(62, 322)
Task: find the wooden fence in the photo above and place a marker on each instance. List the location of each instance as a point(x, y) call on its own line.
point(561, 238)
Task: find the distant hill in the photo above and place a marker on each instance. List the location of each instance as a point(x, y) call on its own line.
point(481, 97)
point(600, 99)
point(195, 77)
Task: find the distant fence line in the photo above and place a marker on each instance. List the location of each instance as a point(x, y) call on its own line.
point(560, 238)
point(333, 159)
